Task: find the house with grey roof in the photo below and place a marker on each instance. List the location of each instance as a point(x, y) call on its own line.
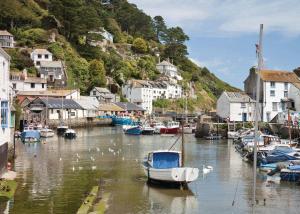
point(90, 106)
point(48, 108)
point(54, 73)
point(168, 69)
point(103, 95)
point(235, 106)
point(6, 39)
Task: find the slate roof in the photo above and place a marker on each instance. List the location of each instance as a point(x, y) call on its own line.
point(278, 76)
point(50, 93)
point(58, 103)
point(88, 103)
point(238, 97)
point(51, 64)
point(102, 90)
point(5, 33)
point(165, 63)
point(41, 51)
point(129, 106)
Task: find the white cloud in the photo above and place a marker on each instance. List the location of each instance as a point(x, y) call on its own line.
point(227, 17)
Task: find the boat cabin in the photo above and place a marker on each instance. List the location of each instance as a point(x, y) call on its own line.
point(164, 159)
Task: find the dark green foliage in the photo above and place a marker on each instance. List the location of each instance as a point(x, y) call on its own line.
point(20, 59)
point(96, 74)
point(139, 45)
point(160, 27)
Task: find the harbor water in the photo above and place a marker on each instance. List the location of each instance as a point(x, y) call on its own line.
point(55, 176)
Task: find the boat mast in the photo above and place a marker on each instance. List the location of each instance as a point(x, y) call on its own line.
point(186, 111)
point(259, 67)
point(182, 144)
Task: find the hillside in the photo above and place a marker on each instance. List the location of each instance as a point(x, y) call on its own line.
point(63, 27)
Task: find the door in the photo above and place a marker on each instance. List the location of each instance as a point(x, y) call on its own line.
point(244, 117)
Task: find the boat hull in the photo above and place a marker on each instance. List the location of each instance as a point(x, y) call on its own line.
point(133, 131)
point(47, 134)
point(173, 175)
point(290, 175)
point(61, 130)
point(70, 135)
point(169, 130)
point(147, 132)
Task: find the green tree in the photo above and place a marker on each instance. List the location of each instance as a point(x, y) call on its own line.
point(139, 45)
point(97, 73)
point(160, 27)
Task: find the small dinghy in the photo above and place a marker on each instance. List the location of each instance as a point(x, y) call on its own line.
point(30, 136)
point(147, 130)
point(61, 129)
point(134, 130)
point(70, 134)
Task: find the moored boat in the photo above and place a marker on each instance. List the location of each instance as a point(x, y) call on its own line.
point(61, 129)
point(70, 134)
point(147, 130)
point(134, 130)
point(46, 132)
point(119, 121)
point(157, 126)
point(171, 128)
point(165, 166)
point(30, 136)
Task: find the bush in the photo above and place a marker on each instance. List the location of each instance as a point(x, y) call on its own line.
point(139, 45)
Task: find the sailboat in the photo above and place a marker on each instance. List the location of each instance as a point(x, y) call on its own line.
point(188, 128)
point(167, 166)
point(70, 133)
point(46, 132)
point(61, 129)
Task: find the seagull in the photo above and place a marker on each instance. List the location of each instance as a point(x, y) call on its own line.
point(205, 170)
point(93, 159)
point(89, 149)
point(209, 167)
point(94, 167)
point(114, 154)
point(98, 150)
point(123, 158)
point(102, 153)
point(80, 168)
point(73, 168)
point(77, 160)
point(136, 160)
point(60, 159)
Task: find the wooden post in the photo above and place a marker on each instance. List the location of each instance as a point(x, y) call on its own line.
point(289, 125)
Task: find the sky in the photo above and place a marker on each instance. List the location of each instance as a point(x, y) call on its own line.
point(223, 33)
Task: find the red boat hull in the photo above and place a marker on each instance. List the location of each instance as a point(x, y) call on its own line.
point(169, 130)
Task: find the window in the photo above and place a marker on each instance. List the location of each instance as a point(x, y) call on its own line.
point(4, 114)
point(283, 106)
point(272, 93)
point(272, 84)
point(94, 92)
point(39, 56)
point(285, 93)
point(43, 85)
point(38, 63)
point(243, 105)
point(46, 56)
point(32, 85)
point(274, 106)
point(286, 86)
point(14, 86)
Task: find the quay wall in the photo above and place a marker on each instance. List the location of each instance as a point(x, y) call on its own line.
point(82, 122)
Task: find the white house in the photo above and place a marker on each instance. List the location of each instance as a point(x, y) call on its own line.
point(38, 55)
point(6, 39)
point(275, 91)
point(235, 106)
point(103, 95)
point(4, 98)
point(90, 106)
point(54, 73)
point(140, 93)
point(21, 82)
point(168, 69)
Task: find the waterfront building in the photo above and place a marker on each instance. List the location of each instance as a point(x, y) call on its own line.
point(4, 97)
point(54, 73)
point(6, 39)
point(39, 55)
point(21, 82)
point(48, 108)
point(5, 115)
point(168, 69)
point(131, 108)
point(90, 106)
point(143, 92)
point(235, 106)
point(103, 95)
point(275, 91)
point(140, 93)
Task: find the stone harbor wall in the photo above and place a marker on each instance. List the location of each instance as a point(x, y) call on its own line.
point(82, 122)
point(205, 129)
point(3, 158)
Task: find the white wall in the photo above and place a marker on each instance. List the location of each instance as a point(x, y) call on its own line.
point(4, 96)
point(54, 114)
point(23, 86)
point(269, 100)
point(223, 106)
point(294, 93)
point(35, 59)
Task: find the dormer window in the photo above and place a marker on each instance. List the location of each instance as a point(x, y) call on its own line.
point(39, 56)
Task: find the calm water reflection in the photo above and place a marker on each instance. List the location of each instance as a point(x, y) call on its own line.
point(54, 177)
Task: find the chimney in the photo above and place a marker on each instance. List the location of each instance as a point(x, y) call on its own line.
point(297, 71)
